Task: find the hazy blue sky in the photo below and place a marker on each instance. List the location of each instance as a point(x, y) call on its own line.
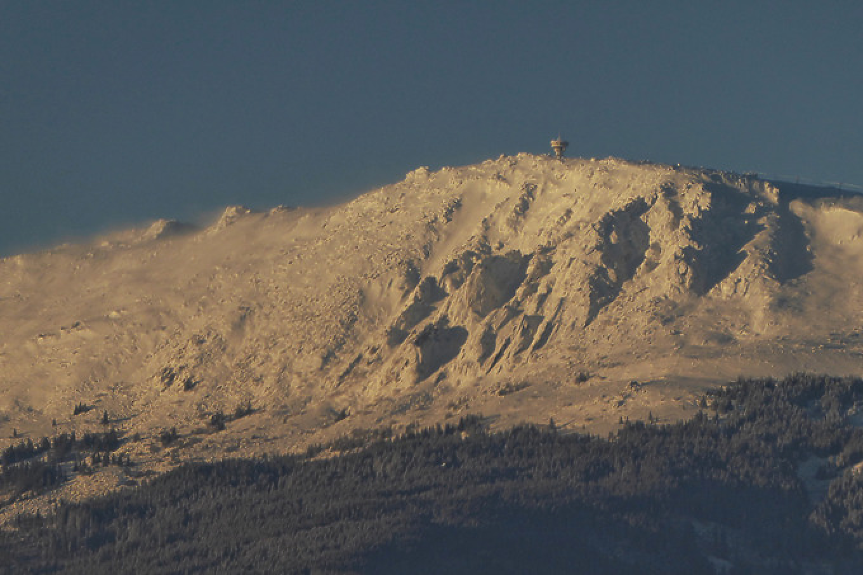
point(118, 112)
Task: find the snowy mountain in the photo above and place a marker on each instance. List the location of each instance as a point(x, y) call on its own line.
point(523, 288)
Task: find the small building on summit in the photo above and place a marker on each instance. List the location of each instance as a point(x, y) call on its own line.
point(559, 146)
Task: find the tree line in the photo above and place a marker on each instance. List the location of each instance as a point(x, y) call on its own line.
point(723, 488)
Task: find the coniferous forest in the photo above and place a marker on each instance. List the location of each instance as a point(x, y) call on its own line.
point(725, 492)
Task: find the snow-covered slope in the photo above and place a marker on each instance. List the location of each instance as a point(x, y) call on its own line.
point(524, 288)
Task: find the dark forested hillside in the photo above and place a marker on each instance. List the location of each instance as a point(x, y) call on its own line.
point(722, 491)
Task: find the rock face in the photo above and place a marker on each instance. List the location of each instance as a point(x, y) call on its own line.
point(524, 288)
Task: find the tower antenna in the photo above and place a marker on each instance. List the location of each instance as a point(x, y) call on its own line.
point(559, 146)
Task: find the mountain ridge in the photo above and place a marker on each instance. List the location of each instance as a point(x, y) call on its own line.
point(524, 288)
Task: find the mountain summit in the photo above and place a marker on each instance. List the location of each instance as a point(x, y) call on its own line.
point(522, 288)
